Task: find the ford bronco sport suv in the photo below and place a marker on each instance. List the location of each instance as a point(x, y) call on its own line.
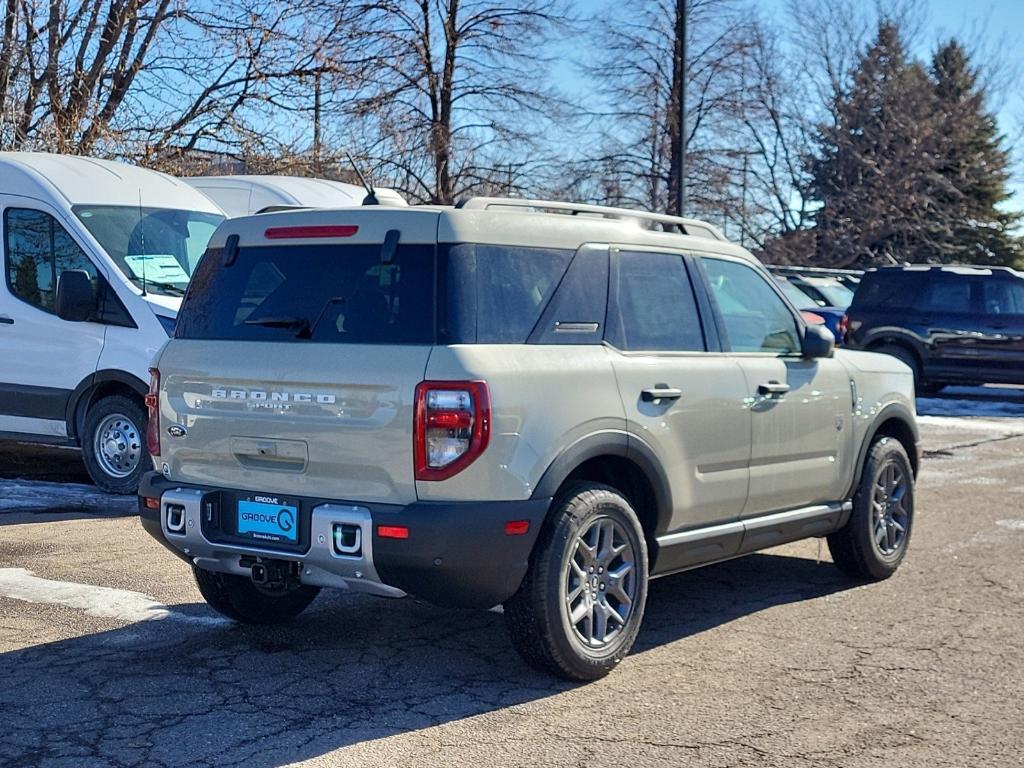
point(951, 325)
point(525, 403)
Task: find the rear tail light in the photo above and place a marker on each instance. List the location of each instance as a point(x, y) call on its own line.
point(452, 426)
point(844, 326)
point(153, 412)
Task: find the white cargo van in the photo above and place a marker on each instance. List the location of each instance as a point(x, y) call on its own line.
point(96, 258)
point(246, 195)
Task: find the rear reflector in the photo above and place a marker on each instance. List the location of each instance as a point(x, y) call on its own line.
point(517, 527)
point(325, 230)
point(152, 401)
point(392, 531)
point(152, 503)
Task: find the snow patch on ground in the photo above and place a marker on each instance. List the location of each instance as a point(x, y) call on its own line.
point(38, 494)
point(973, 424)
point(1013, 525)
point(104, 602)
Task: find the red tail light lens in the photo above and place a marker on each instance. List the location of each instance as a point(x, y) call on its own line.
point(844, 327)
point(153, 412)
point(452, 426)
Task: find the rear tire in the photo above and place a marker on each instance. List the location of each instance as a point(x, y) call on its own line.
point(874, 540)
point(114, 444)
point(590, 564)
point(237, 598)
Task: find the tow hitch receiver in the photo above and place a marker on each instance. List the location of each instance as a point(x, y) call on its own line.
point(272, 574)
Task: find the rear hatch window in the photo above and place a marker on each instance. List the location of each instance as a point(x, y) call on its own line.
point(889, 290)
point(313, 293)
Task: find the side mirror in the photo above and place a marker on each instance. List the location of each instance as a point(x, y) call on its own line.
point(76, 300)
point(818, 342)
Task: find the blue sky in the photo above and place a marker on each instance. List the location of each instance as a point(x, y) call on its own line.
point(993, 26)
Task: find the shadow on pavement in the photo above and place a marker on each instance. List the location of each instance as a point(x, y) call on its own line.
point(353, 669)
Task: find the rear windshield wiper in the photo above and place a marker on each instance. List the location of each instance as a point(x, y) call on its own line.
point(279, 322)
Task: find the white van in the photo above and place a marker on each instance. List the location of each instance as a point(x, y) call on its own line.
point(96, 258)
point(246, 195)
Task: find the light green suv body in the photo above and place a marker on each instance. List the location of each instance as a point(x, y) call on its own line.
point(426, 397)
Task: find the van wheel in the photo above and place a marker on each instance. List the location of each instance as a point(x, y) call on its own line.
point(114, 444)
point(579, 609)
point(237, 598)
point(874, 540)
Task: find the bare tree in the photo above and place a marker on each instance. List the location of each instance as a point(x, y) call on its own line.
point(147, 79)
point(442, 97)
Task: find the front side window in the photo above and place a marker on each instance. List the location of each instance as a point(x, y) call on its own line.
point(755, 317)
point(654, 306)
point(38, 249)
point(1003, 297)
point(158, 247)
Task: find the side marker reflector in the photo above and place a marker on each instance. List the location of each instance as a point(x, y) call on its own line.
point(392, 531)
point(517, 527)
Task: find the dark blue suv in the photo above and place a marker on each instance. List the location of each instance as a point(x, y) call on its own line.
point(951, 325)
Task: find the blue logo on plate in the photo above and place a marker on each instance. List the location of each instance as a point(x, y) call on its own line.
point(271, 522)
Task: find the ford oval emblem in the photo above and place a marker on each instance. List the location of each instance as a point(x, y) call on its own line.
point(176, 430)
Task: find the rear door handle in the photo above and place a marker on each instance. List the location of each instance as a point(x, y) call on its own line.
point(660, 392)
point(772, 388)
point(4, 320)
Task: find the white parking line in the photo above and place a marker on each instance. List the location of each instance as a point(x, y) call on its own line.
point(105, 602)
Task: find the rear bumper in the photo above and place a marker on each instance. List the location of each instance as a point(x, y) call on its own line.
point(456, 553)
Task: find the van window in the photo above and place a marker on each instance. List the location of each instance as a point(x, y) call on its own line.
point(38, 249)
point(756, 318)
point(313, 293)
point(654, 305)
point(158, 246)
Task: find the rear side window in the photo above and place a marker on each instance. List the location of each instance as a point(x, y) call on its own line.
point(495, 294)
point(947, 294)
point(889, 290)
point(38, 249)
point(319, 293)
point(653, 306)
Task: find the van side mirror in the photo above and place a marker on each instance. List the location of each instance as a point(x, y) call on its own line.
point(76, 300)
point(818, 342)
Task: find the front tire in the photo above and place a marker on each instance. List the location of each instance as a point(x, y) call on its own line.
point(874, 540)
point(114, 444)
point(237, 598)
point(579, 609)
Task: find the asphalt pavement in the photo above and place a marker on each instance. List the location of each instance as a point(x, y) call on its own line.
point(109, 657)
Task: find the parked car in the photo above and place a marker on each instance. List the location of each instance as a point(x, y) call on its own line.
point(245, 195)
point(490, 404)
point(951, 325)
point(824, 291)
point(96, 259)
point(830, 317)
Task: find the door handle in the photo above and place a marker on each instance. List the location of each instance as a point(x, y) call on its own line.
point(4, 320)
point(660, 392)
point(772, 388)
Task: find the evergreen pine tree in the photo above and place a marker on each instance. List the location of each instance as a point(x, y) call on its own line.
point(974, 169)
point(875, 174)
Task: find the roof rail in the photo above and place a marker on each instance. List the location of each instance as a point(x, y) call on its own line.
point(669, 223)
